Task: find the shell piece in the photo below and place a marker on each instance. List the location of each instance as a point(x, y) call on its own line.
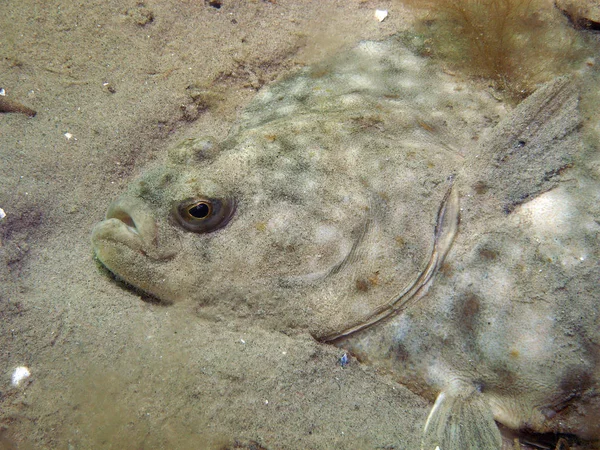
point(19, 374)
point(381, 14)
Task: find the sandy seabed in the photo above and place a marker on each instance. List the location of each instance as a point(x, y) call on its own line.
point(115, 84)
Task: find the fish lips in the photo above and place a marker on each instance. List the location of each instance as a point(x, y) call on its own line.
point(124, 252)
point(115, 233)
point(129, 232)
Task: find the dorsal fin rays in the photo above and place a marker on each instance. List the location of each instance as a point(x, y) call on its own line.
point(445, 231)
point(461, 421)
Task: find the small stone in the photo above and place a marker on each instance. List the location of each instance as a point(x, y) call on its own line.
point(214, 3)
point(141, 14)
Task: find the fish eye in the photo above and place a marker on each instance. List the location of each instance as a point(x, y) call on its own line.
point(200, 210)
point(203, 215)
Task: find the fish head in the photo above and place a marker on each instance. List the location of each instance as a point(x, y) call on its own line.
point(224, 228)
point(146, 230)
point(270, 230)
point(318, 209)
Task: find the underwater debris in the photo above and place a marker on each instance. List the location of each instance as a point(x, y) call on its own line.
point(11, 106)
point(141, 15)
point(381, 14)
point(214, 3)
point(344, 360)
point(244, 445)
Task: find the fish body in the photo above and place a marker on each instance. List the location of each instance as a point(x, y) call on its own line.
point(333, 208)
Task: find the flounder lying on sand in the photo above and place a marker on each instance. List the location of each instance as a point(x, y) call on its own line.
point(333, 207)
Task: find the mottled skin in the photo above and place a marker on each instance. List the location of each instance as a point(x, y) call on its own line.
point(511, 322)
point(332, 183)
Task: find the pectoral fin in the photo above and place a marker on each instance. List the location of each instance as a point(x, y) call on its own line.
point(526, 152)
point(461, 422)
point(446, 229)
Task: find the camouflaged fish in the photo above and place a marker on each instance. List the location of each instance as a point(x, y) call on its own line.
point(333, 207)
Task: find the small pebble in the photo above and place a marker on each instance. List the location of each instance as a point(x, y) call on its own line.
point(344, 361)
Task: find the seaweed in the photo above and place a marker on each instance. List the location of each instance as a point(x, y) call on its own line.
point(515, 44)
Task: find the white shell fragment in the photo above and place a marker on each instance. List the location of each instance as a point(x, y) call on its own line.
point(68, 136)
point(2, 214)
point(19, 374)
point(381, 14)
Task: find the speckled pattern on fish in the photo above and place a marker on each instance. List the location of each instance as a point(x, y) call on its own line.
point(334, 204)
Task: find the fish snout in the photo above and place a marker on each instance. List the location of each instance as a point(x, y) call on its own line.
point(131, 223)
point(135, 218)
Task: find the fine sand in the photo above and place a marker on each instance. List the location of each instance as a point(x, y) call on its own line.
point(115, 83)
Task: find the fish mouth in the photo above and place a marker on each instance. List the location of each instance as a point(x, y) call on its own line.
point(119, 247)
point(127, 244)
point(128, 228)
point(125, 220)
point(113, 231)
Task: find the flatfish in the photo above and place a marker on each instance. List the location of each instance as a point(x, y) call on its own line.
point(390, 208)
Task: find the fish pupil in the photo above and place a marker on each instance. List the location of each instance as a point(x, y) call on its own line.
point(199, 210)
